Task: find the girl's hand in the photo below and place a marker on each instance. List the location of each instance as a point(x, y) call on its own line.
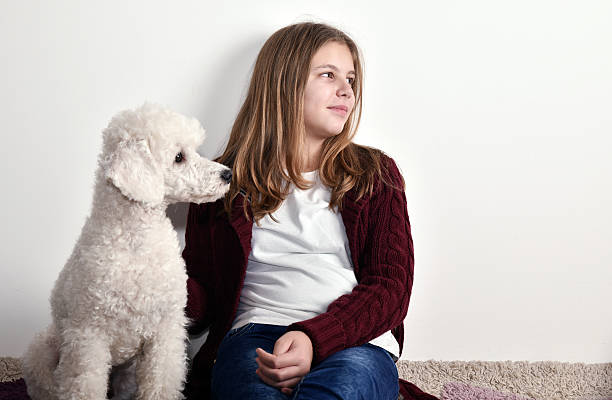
point(290, 361)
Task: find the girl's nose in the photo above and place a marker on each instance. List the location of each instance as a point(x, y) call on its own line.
point(345, 89)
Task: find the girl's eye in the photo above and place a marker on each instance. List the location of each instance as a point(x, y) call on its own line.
point(179, 157)
point(330, 75)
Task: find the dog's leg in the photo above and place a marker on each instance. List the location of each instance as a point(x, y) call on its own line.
point(39, 362)
point(84, 365)
point(160, 372)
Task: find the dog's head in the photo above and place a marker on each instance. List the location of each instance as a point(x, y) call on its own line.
point(150, 155)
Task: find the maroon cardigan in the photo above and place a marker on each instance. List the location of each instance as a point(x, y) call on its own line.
point(378, 231)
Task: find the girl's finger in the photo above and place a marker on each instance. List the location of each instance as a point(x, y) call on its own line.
point(289, 383)
point(278, 374)
point(274, 361)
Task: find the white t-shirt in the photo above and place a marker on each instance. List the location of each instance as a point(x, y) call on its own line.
point(300, 264)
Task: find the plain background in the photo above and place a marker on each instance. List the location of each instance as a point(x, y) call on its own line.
point(499, 115)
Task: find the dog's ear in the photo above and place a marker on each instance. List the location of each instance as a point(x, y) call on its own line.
point(132, 169)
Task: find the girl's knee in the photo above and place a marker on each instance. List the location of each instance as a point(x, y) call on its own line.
point(361, 372)
point(366, 359)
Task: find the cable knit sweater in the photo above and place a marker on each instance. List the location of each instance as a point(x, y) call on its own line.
point(378, 230)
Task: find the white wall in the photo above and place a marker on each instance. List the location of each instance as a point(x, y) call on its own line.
point(498, 113)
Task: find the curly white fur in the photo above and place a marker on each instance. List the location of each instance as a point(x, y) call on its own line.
point(119, 301)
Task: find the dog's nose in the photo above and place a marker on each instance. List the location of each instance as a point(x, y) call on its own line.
point(226, 175)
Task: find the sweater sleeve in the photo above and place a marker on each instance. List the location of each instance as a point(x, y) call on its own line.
point(197, 257)
point(379, 302)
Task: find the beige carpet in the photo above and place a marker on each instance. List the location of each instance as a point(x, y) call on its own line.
point(538, 380)
point(544, 380)
point(10, 369)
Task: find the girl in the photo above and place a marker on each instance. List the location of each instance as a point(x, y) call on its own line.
point(308, 302)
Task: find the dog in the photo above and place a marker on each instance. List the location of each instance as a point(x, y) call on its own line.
point(118, 304)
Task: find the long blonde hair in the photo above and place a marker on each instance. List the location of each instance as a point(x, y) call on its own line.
point(266, 141)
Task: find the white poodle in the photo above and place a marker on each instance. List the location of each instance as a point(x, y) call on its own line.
point(119, 301)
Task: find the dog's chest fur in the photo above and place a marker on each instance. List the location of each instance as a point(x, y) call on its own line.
point(128, 277)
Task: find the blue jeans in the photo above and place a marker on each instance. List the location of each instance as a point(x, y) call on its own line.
point(362, 372)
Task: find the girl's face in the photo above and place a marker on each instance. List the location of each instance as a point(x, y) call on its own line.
point(328, 95)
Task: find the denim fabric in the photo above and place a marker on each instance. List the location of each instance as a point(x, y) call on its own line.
point(362, 372)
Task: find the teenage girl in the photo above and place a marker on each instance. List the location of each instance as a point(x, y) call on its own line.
point(307, 302)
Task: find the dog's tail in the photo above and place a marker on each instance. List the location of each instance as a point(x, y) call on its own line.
point(39, 362)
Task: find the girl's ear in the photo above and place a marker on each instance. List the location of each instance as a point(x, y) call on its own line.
point(133, 170)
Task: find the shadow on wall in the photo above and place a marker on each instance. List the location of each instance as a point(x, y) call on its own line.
point(215, 109)
point(220, 105)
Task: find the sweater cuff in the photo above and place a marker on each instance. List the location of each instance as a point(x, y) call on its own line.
point(326, 334)
point(196, 301)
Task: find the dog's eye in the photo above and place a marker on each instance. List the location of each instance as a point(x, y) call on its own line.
point(179, 158)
